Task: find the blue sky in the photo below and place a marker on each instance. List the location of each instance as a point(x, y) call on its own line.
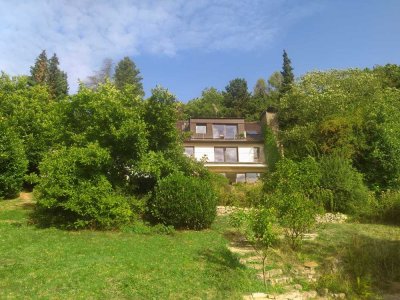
point(188, 45)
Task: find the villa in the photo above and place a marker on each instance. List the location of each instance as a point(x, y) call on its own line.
point(230, 146)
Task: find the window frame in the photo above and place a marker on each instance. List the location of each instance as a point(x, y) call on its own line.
point(224, 154)
point(201, 125)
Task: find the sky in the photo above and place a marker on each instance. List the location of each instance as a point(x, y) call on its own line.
point(189, 45)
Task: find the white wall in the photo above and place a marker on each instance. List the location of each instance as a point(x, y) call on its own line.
point(200, 152)
point(245, 154)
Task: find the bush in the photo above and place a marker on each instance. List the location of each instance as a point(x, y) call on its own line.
point(350, 194)
point(296, 214)
point(73, 191)
point(184, 202)
point(13, 162)
point(241, 194)
point(384, 208)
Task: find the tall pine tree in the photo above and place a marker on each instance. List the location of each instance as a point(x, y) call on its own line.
point(47, 72)
point(39, 70)
point(57, 79)
point(287, 74)
point(126, 72)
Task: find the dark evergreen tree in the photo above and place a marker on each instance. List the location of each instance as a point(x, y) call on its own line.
point(39, 71)
point(287, 74)
point(126, 72)
point(57, 79)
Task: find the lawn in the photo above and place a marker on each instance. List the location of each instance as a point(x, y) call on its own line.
point(54, 264)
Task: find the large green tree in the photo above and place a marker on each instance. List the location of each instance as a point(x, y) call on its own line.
point(287, 73)
point(111, 118)
point(29, 111)
point(57, 79)
point(13, 162)
point(236, 97)
point(39, 71)
point(126, 72)
point(210, 104)
point(161, 117)
point(47, 72)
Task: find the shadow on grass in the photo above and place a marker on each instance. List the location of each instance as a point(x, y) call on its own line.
point(222, 257)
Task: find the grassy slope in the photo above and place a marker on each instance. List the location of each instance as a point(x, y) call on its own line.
point(50, 263)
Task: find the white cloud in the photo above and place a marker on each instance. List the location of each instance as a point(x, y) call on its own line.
point(83, 32)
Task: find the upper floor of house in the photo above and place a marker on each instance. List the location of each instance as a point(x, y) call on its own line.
point(221, 129)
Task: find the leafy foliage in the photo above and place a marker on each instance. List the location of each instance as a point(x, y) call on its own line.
point(74, 192)
point(346, 184)
point(184, 202)
point(111, 118)
point(31, 114)
point(13, 162)
point(259, 226)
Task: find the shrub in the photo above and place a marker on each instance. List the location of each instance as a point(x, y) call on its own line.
point(349, 191)
point(13, 162)
point(260, 229)
point(296, 214)
point(184, 202)
point(241, 194)
point(73, 191)
point(385, 208)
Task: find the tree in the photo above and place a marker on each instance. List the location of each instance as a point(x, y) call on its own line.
point(57, 79)
point(126, 72)
point(236, 97)
point(101, 76)
point(13, 162)
point(210, 104)
point(39, 71)
point(112, 119)
point(31, 114)
point(287, 73)
point(161, 117)
point(259, 227)
point(260, 89)
point(74, 191)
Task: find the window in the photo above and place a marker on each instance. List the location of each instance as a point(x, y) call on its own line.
point(240, 177)
point(256, 153)
point(189, 151)
point(225, 154)
point(201, 128)
point(247, 177)
point(224, 131)
point(252, 177)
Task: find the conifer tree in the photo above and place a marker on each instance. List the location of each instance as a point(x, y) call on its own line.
point(126, 72)
point(39, 70)
point(57, 79)
point(287, 74)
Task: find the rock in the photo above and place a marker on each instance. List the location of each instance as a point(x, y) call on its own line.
point(331, 218)
point(259, 296)
point(310, 264)
point(297, 287)
point(324, 292)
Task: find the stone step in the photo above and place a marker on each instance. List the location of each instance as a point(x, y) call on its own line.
point(280, 280)
point(293, 295)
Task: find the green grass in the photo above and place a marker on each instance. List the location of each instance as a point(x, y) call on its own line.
point(53, 264)
point(56, 264)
